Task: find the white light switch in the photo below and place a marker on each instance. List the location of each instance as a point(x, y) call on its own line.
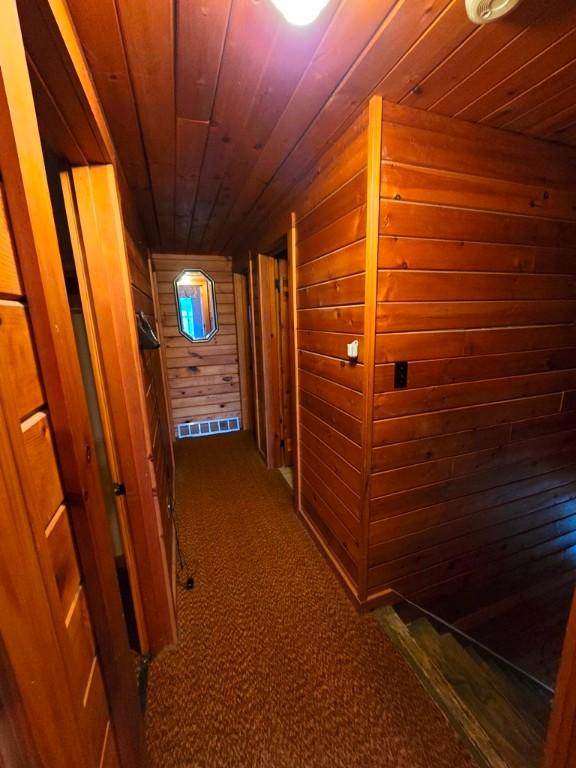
point(353, 350)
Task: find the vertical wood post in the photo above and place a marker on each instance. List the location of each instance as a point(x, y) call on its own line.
point(36, 241)
point(243, 342)
point(370, 296)
point(294, 371)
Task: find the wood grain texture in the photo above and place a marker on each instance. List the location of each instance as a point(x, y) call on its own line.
point(18, 347)
point(329, 274)
point(249, 103)
point(45, 488)
point(9, 277)
point(472, 462)
point(203, 377)
point(130, 386)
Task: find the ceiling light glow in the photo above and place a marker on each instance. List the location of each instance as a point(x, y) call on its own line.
point(300, 12)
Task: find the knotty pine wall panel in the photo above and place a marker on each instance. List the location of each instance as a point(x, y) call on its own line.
point(204, 379)
point(473, 463)
point(154, 390)
point(59, 572)
point(330, 285)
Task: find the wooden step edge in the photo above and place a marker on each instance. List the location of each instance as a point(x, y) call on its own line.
point(540, 695)
point(508, 733)
point(514, 727)
point(440, 690)
point(527, 702)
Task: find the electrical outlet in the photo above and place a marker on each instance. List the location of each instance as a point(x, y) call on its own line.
point(400, 374)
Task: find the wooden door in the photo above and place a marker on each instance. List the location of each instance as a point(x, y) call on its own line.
point(271, 355)
point(285, 351)
point(29, 444)
point(241, 310)
point(82, 707)
point(129, 392)
point(257, 366)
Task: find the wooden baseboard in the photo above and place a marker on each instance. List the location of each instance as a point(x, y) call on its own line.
point(350, 587)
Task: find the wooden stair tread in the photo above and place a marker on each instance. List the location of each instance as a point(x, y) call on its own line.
point(431, 677)
point(511, 736)
point(525, 699)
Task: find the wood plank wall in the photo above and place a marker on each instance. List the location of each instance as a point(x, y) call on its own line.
point(203, 377)
point(330, 261)
point(474, 470)
point(153, 380)
point(22, 394)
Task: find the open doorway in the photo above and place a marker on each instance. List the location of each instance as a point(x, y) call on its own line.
point(106, 450)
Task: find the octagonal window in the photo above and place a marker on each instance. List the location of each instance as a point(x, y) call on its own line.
point(196, 305)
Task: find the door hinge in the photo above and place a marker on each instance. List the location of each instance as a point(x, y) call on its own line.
point(119, 489)
point(277, 284)
point(282, 443)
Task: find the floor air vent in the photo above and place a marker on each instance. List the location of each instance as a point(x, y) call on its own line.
point(205, 428)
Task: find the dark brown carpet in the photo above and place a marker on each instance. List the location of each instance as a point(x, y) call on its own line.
point(274, 668)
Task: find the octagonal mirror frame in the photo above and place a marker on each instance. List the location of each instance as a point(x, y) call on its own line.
point(185, 324)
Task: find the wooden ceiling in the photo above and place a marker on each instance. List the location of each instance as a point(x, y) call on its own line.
point(217, 106)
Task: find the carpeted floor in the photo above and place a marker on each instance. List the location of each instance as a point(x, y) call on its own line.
point(274, 668)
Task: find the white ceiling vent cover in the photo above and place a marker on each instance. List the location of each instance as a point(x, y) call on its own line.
point(483, 11)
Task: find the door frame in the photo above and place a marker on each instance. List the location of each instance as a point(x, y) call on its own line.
point(36, 241)
point(99, 377)
point(95, 221)
point(243, 344)
point(266, 353)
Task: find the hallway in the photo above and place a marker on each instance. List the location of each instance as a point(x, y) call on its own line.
point(274, 668)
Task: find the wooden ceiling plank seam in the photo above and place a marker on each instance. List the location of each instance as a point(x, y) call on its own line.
point(438, 121)
point(138, 119)
point(202, 165)
point(433, 9)
point(471, 54)
point(447, 32)
point(198, 30)
point(242, 71)
point(221, 181)
point(283, 201)
point(61, 47)
point(107, 17)
point(569, 136)
point(530, 41)
point(289, 56)
point(537, 119)
point(327, 125)
point(74, 153)
point(44, 44)
point(364, 74)
point(94, 119)
point(556, 92)
point(107, 61)
point(534, 93)
point(320, 79)
point(183, 221)
point(191, 138)
point(149, 48)
point(548, 62)
point(557, 124)
point(229, 144)
point(424, 95)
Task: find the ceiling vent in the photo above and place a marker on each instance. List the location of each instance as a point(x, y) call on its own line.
point(483, 11)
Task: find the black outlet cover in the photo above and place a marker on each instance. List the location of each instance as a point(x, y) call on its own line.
point(400, 374)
